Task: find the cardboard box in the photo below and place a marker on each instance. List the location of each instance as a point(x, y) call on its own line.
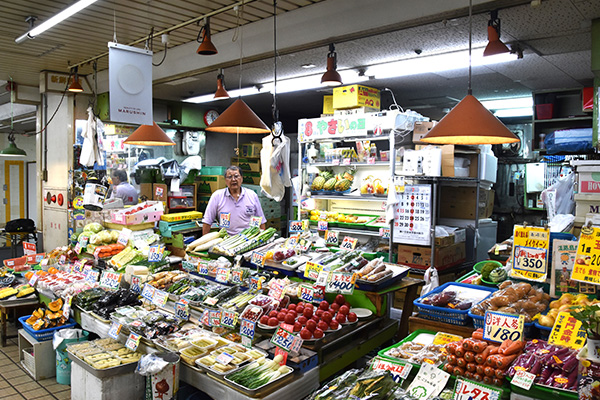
point(420, 256)
point(152, 212)
point(159, 192)
point(460, 202)
point(450, 152)
point(587, 203)
point(328, 104)
point(458, 236)
point(251, 149)
point(421, 129)
point(251, 178)
point(210, 183)
point(247, 163)
point(146, 191)
point(588, 178)
point(356, 96)
point(203, 203)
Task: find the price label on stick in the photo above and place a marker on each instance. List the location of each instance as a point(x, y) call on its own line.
point(255, 284)
point(399, 369)
point(469, 390)
point(322, 225)
point(307, 293)
point(77, 248)
point(341, 282)
point(28, 248)
point(97, 252)
point(148, 292)
point(224, 358)
point(115, 329)
point(228, 318)
point(276, 291)
point(312, 270)
point(222, 275)
point(429, 382)
point(237, 276)
point(155, 253)
point(84, 240)
point(214, 317)
point(295, 226)
point(498, 327)
point(182, 309)
point(523, 379)
point(567, 331)
point(133, 341)
point(124, 236)
point(283, 339)
point(110, 280)
point(530, 253)
point(78, 266)
point(205, 318)
point(258, 258)
point(348, 243)
point(247, 328)
point(159, 298)
point(189, 266)
point(203, 267)
point(255, 222)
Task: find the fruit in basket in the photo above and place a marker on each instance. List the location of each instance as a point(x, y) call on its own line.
point(330, 184)
point(343, 185)
point(317, 183)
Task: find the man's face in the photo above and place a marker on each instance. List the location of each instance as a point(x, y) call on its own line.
point(115, 180)
point(233, 179)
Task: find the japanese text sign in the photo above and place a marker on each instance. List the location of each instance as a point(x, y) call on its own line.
point(530, 253)
point(312, 270)
point(341, 282)
point(283, 339)
point(468, 390)
point(587, 258)
point(498, 326)
point(110, 280)
point(399, 369)
point(567, 331)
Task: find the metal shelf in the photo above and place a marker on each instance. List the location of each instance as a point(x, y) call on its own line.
point(347, 197)
point(354, 164)
point(566, 119)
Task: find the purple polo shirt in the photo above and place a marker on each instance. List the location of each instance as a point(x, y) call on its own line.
point(126, 192)
point(241, 211)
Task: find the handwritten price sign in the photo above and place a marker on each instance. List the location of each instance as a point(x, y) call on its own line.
point(523, 379)
point(77, 248)
point(202, 267)
point(255, 222)
point(225, 219)
point(155, 253)
point(399, 369)
point(148, 292)
point(587, 259)
point(331, 237)
point(182, 309)
point(189, 266)
point(498, 327)
point(133, 341)
point(468, 390)
point(110, 280)
point(530, 253)
point(228, 318)
point(28, 248)
point(567, 332)
point(276, 291)
point(124, 236)
point(312, 270)
point(214, 317)
point(295, 226)
point(255, 284)
point(283, 339)
point(322, 225)
point(341, 282)
point(348, 243)
point(237, 276)
point(222, 275)
point(159, 298)
point(384, 233)
point(136, 283)
point(307, 293)
point(92, 275)
point(247, 328)
point(114, 330)
point(258, 258)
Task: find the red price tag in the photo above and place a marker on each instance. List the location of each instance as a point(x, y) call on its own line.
point(371, 160)
point(468, 390)
point(133, 341)
point(28, 248)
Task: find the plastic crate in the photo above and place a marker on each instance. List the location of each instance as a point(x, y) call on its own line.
point(544, 330)
point(409, 338)
point(29, 360)
point(542, 392)
point(448, 315)
point(479, 321)
point(44, 334)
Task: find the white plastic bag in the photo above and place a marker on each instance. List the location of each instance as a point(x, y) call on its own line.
point(431, 279)
point(558, 198)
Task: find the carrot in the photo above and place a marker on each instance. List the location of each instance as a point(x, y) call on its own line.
point(499, 373)
point(478, 377)
point(461, 362)
point(468, 344)
point(468, 375)
point(452, 359)
point(504, 345)
point(471, 367)
point(460, 352)
point(479, 369)
point(451, 347)
point(504, 361)
point(487, 380)
point(458, 371)
point(494, 350)
point(469, 356)
point(498, 381)
point(514, 348)
point(479, 346)
point(478, 334)
point(449, 368)
point(489, 371)
point(481, 357)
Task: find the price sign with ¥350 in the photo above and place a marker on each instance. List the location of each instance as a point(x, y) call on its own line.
point(331, 237)
point(498, 327)
point(348, 243)
point(341, 282)
point(247, 328)
point(228, 318)
point(155, 253)
point(295, 226)
point(283, 339)
point(469, 390)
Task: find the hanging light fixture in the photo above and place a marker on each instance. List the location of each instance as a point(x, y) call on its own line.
point(238, 117)
point(206, 48)
point(469, 122)
point(331, 77)
point(221, 93)
point(495, 45)
point(75, 86)
point(149, 135)
point(12, 150)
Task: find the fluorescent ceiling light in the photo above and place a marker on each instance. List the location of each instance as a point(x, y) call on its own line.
point(514, 112)
point(207, 98)
point(436, 63)
point(515, 102)
point(61, 16)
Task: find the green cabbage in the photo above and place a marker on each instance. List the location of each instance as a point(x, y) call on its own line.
point(94, 227)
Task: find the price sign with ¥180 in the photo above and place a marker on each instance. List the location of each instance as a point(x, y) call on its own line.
point(133, 341)
point(312, 270)
point(468, 390)
point(228, 318)
point(307, 293)
point(295, 226)
point(110, 280)
point(257, 258)
point(203, 267)
point(222, 275)
point(341, 282)
point(331, 237)
point(348, 243)
point(283, 339)
point(498, 327)
point(247, 328)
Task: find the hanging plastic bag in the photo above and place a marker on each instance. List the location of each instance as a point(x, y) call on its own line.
point(558, 197)
point(431, 279)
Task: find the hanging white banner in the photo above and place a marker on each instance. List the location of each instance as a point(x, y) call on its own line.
point(130, 84)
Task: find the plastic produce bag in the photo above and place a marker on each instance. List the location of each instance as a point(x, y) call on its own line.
point(63, 334)
point(558, 197)
point(150, 364)
point(431, 279)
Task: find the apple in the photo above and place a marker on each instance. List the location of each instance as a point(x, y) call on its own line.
point(308, 312)
point(322, 325)
point(327, 316)
point(334, 325)
point(352, 317)
point(335, 307)
point(273, 314)
point(319, 313)
point(292, 306)
point(344, 310)
point(297, 326)
point(289, 319)
point(340, 299)
point(281, 316)
point(318, 333)
point(311, 325)
point(302, 319)
point(341, 318)
point(264, 320)
point(300, 310)
point(273, 321)
point(305, 334)
point(324, 305)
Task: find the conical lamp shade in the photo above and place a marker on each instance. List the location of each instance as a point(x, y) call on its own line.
point(331, 77)
point(238, 118)
point(75, 86)
point(495, 45)
point(13, 150)
point(221, 93)
point(470, 123)
point(149, 135)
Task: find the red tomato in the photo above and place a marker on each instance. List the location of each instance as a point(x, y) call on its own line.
point(302, 319)
point(291, 306)
point(300, 310)
point(311, 325)
point(315, 318)
point(273, 321)
point(294, 313)
point(264, 320)
point(327, 316)
point(324, 305)
point(340, 299)
point(281, 316)
point(319, 313)
point(334, 325)
point(289, 319)
point(273, 313)
point(297, 326)
point(308, 305)
point(305, 334)
point(341, 318)
point(344, 310)
point(322, 325)
point(352, 317)
point(307, 312)
point(318, 333)
point(335, 307)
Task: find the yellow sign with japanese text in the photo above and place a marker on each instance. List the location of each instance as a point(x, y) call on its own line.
point(587, 258)
point(567, 332)
point(530, 253)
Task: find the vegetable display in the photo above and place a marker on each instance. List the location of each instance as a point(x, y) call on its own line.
point(566, 302)
point(207, 241)
point(259, 373)
point(246, 240)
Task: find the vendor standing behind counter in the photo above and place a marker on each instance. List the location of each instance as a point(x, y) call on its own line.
point(237, 203)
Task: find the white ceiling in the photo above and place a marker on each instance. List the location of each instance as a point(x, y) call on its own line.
point(556, 38)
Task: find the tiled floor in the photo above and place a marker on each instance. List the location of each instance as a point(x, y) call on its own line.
point(17, 384)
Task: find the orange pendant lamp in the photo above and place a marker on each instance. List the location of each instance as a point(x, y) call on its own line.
point(75, 86)
point(331, 77)
point(149, 135)
point(469, 122)
point(495, 45)
point(238, 118)
point(206, 48)
point(221, 92)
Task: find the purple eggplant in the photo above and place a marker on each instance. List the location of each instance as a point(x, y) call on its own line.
point(537, 366)
point(570, 363)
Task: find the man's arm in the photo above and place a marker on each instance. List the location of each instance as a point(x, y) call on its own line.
point(263, 226)
point(205, 228)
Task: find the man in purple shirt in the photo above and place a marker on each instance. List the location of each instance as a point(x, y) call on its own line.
point(122, 189)
point(234, 206)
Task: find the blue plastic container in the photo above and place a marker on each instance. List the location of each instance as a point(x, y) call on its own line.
point(44, 334)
